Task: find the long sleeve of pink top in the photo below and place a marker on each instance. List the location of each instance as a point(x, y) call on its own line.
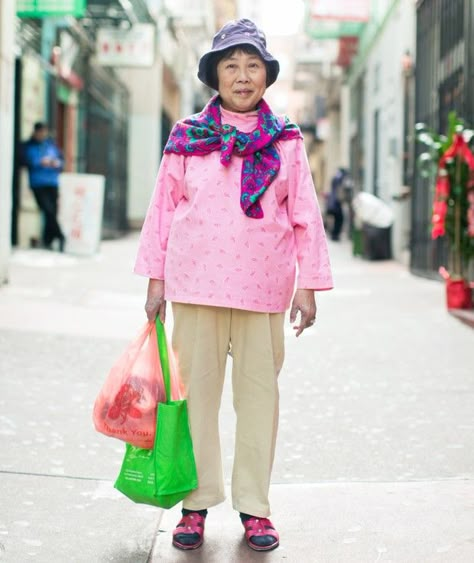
point(197, 238)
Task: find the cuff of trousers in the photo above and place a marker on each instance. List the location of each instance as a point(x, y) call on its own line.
point(260, 511)
point(203, 503)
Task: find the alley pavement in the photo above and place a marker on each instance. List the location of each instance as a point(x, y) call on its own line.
point(375, 456)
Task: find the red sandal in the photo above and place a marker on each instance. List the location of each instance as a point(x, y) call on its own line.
point(260, 534)
point(189, 532)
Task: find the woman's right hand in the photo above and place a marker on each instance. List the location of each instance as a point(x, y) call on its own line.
point(155, 300)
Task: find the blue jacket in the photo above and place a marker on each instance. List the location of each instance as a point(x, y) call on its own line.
point(335, 195)
point(40, 175)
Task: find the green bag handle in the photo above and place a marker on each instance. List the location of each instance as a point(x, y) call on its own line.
point(163, 350)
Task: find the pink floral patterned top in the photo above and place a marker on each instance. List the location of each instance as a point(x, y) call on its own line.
point(197, 238)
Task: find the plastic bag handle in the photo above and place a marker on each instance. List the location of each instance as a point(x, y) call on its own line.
point(163, 350)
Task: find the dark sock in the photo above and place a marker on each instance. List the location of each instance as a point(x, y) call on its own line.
point(202, 512)
point(244, 517)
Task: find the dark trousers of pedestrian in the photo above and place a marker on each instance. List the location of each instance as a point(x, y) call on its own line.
point(338, 221)
point(47, 200)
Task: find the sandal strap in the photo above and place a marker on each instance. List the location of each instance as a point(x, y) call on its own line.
point(192, 523)
point(259, 527)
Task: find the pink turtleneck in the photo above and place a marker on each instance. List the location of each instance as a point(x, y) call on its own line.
point(197, 238)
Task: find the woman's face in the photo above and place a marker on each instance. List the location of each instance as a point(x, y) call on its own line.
point(242, 81)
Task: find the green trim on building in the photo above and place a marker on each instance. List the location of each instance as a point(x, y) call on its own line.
point(320, 29)
point(369, 37)
point(330, 29)
point(47, 8)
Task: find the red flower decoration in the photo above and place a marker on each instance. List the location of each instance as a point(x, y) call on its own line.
point(459, 148)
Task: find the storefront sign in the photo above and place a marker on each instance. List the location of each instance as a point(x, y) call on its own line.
point(126, 47)
point(81, 205)
point(47, 8)
point(341, 10)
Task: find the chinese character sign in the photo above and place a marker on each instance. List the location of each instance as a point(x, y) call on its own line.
point(341, 10)
point(126, 47)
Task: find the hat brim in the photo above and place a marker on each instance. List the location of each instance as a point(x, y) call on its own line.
point(205, 74)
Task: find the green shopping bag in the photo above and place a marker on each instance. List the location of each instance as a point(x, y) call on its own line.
point(166, 474)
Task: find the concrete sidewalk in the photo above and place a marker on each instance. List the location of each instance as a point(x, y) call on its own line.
point(375, 458)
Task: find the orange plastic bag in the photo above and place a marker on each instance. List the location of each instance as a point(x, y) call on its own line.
point(126, 405)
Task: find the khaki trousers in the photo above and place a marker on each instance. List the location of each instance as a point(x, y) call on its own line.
point(202, 337)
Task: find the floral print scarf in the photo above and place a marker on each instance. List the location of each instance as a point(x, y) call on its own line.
point(203, 133)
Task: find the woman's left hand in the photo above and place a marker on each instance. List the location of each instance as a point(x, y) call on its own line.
point(304, 302)
point(155, 305)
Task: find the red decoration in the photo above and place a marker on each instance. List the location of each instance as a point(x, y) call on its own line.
point(347, 50)
point(440, 209)
point(470, 213)
point(458, 294)
point(458, 149)
point(458, 291)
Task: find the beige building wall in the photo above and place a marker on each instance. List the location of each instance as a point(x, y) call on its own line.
point(7, 62)
point(384, 87)
point(168, 88)
point(333, 148)
point(224, 10)
point(171, 95)
point(152, 90)
point(144, 136)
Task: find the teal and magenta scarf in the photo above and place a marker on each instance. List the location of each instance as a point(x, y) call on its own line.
point(203, 133)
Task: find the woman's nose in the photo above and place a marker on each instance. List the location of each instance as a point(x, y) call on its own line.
point(243, 75)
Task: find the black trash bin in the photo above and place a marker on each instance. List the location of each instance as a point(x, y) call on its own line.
point(376, 242)
point(374, 219)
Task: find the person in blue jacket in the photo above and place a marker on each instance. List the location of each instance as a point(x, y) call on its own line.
point(44, 161)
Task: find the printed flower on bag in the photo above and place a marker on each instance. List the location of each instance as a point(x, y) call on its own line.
point(123, 405)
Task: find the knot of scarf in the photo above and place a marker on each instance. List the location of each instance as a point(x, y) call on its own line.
point(203, 133)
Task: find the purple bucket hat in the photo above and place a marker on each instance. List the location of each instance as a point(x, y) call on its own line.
point(234, 33)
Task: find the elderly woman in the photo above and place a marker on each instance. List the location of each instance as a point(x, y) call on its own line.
point(232, 214)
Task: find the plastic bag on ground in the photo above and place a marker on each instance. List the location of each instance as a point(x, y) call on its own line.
point(372, 210)
point(125, 407)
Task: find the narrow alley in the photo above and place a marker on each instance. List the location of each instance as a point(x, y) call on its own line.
point(375, 453)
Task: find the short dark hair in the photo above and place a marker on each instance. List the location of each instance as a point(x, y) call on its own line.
point(225, 54)
point(38, 126)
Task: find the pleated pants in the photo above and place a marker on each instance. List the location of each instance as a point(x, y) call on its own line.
point(202, 339)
